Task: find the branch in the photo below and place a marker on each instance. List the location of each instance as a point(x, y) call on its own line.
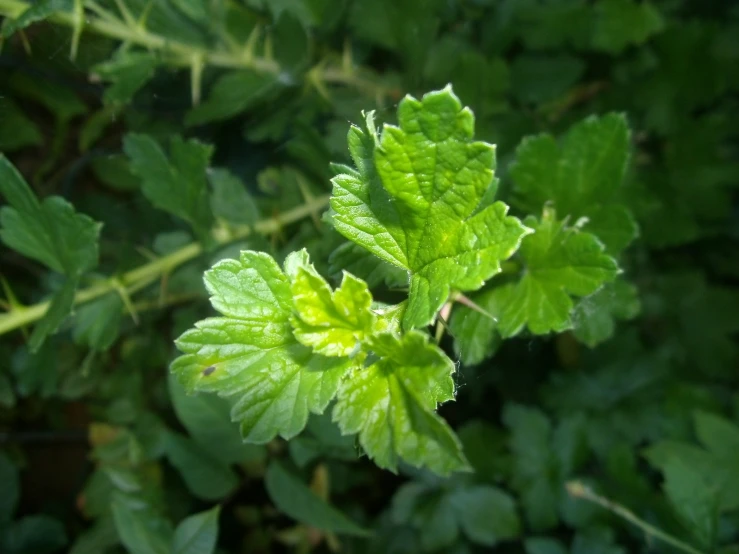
point(142, 276)
point(182, 54)
point(577, 489)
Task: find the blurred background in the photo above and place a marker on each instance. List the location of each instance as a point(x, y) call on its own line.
point(90, 419)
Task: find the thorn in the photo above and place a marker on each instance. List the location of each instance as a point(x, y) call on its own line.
point(462, 299)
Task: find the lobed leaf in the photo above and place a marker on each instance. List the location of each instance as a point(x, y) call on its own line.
point(50, 232)
point(560, 262)
point(391, 404)
point(581, 177)
point(331, 323)
point(251, 354)
point(174, 183)
point(415, 200)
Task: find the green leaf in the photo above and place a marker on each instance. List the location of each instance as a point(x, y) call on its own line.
point(230, 199)
point(695, 498)
point(127, 72)
point(581, 177)
point(292, 48)
point(50, 232)
point(716, 463)
point(543, 458)
point(559, 262)
point(542, 545)
point(206, 476)
point(197, 534)
point(37, 534)
point(391, 404)
point(533, 458)
point(356, 260)
point(207, 418)
point(718, 435)
point(537, 78)
point(9, 488)
point(294, 498)
point(332, 323)
point(486, 514)
point(59, 309)
point(139, 532)
point(60, 100)
point(175, 184)
point(17, 130)
point(622, 23)
point(96, 323)
point(251, 354)
point(322, 439)
point(101, 537)
point(37, 11)
point(232, 94)
point(594, 316)
point(414, 201)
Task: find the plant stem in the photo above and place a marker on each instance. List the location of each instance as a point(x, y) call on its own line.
point(142, 276)
point(578, 489)
point(183, 54)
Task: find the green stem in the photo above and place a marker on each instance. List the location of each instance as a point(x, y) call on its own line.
point(142, 276)
point(182, 54)
point(577, 489)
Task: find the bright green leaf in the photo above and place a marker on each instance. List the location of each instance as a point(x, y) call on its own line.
point(391, 404)
point(354, 259)
point(251, 354)
point(581, 177)
point(413, 201)
point(197, 534)
point(560, 262)
point(294, 498)
point(332, 323)
point(174, 183)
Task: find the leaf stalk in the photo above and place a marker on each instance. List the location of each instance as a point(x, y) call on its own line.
point(142, 276)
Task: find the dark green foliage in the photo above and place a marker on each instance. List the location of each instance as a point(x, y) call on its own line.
point(595, 377)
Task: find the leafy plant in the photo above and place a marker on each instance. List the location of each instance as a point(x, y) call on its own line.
point(497, 316)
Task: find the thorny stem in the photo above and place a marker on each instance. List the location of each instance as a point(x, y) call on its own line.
point(183, 54)
point(577, 489)
point(144, 275)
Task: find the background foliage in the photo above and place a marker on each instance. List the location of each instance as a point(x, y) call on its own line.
point(192, 130)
